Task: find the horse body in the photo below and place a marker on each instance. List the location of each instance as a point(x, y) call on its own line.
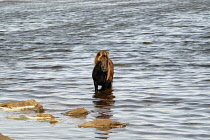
point(103, 71)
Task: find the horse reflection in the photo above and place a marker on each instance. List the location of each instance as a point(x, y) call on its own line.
point(104, 104)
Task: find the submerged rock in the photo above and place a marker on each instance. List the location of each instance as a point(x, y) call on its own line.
point(2, 137)
point(53, 121)
point(27, 105)
point(40, 117)
point(17, 117)
point(22, 106)
point(77, 113)
point(49, 117)
point(45, 116)
point(102, 124)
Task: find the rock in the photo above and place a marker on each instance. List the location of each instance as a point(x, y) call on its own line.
point(17, 117)
point(44, 117)
point(2, 137)
point(77, 113)
point(19, 103)
point(53, 121)
point(102, 124)
point(22, 105)
point(38, 108)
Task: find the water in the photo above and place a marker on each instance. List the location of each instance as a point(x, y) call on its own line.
point(161, 53)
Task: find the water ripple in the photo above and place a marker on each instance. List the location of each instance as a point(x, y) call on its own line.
point(160, 51)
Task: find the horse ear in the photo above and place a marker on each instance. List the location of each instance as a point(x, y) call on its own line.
point(107, 53)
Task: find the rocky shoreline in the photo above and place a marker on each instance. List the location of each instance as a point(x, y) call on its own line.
point(33, 106)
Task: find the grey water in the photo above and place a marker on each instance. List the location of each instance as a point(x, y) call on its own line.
point(160, 50)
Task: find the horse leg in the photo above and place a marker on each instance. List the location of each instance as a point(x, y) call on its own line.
point(96, 86)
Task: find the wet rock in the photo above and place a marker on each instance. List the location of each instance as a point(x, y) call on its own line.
point(38, 108)
point(53, 121)
point(16, 117)
point(2, 137)
point(45, 117)
point(21, 106)
point(19, 103)
point(102, 124)
point(77, 113)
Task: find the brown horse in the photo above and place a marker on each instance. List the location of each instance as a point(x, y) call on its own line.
point(103, 71)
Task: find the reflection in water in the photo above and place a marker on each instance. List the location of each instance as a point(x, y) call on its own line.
point(103, 108)
point(103, 104)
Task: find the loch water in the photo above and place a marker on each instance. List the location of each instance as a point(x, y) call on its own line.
point(160, 50)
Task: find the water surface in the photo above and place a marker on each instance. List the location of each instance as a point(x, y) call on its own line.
point(161, 53)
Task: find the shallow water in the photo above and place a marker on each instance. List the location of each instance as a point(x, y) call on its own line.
point(161, 53)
